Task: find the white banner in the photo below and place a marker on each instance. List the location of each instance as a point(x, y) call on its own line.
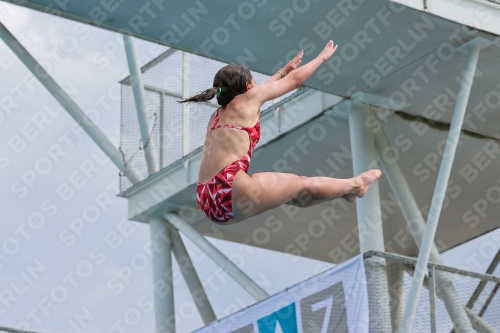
point(334, 301)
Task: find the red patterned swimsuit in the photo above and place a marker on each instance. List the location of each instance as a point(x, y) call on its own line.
point(214, 196)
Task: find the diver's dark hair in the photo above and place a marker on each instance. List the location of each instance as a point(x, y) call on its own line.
point(231, 79)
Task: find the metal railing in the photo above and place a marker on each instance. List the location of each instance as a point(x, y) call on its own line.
point(431, 313)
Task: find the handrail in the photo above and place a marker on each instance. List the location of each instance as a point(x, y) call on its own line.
point(413, 261)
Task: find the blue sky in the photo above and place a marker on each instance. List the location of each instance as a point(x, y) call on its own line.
point(55, 262)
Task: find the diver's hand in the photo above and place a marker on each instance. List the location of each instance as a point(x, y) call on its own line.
point(294, 63)
point(328, 51)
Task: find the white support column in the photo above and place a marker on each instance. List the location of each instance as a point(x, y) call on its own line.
point(364, 157)
point(161, 119)
point(140, 105)
point(220, 259)
point(191, 277)
point(439, 193)
point(68, 104)
point(370, 229)
point(163, 288)
point(186, 142)
point(416, 222)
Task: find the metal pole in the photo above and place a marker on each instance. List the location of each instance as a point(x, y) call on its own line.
point(482, 284)
point(439, 191)
point(416, 222)
point(186, 142)
point(162, 275)
point(364, 158)
point(67, 103)
point(162, 130)
point(401, 189)
point(432, 297)
point(488, 301)
point(369, 215)
point(192, 280)
point(140, 105)
point(220, 259)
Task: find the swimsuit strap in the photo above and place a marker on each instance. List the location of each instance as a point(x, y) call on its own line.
point(217, 117)
point(216, 120)
point(246, 129)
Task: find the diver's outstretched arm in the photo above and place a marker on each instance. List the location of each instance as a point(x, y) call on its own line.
point(292, 64)
point(269, 91)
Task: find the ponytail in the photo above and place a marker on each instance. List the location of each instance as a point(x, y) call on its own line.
point(229, 82)
point(203, 96)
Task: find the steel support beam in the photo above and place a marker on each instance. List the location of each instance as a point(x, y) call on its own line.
point(439, 193)
point(482, 284)
point(161, 119)
point(415, 221)
point(488, 300)
point(163, 288)
point(191, 277)
point(369, 215)
point(400, 187)
point(68, 104)
point(220, 259)
point(152, 63)
point(140, 105)
point(364, 157)
point(186, 133)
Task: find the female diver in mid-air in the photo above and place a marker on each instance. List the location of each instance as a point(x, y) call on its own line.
point(226, 193)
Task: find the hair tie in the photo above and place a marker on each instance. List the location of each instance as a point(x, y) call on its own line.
point(219, 91)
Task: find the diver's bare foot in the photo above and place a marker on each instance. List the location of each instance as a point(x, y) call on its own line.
point(364, 180)
point(350, 198)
